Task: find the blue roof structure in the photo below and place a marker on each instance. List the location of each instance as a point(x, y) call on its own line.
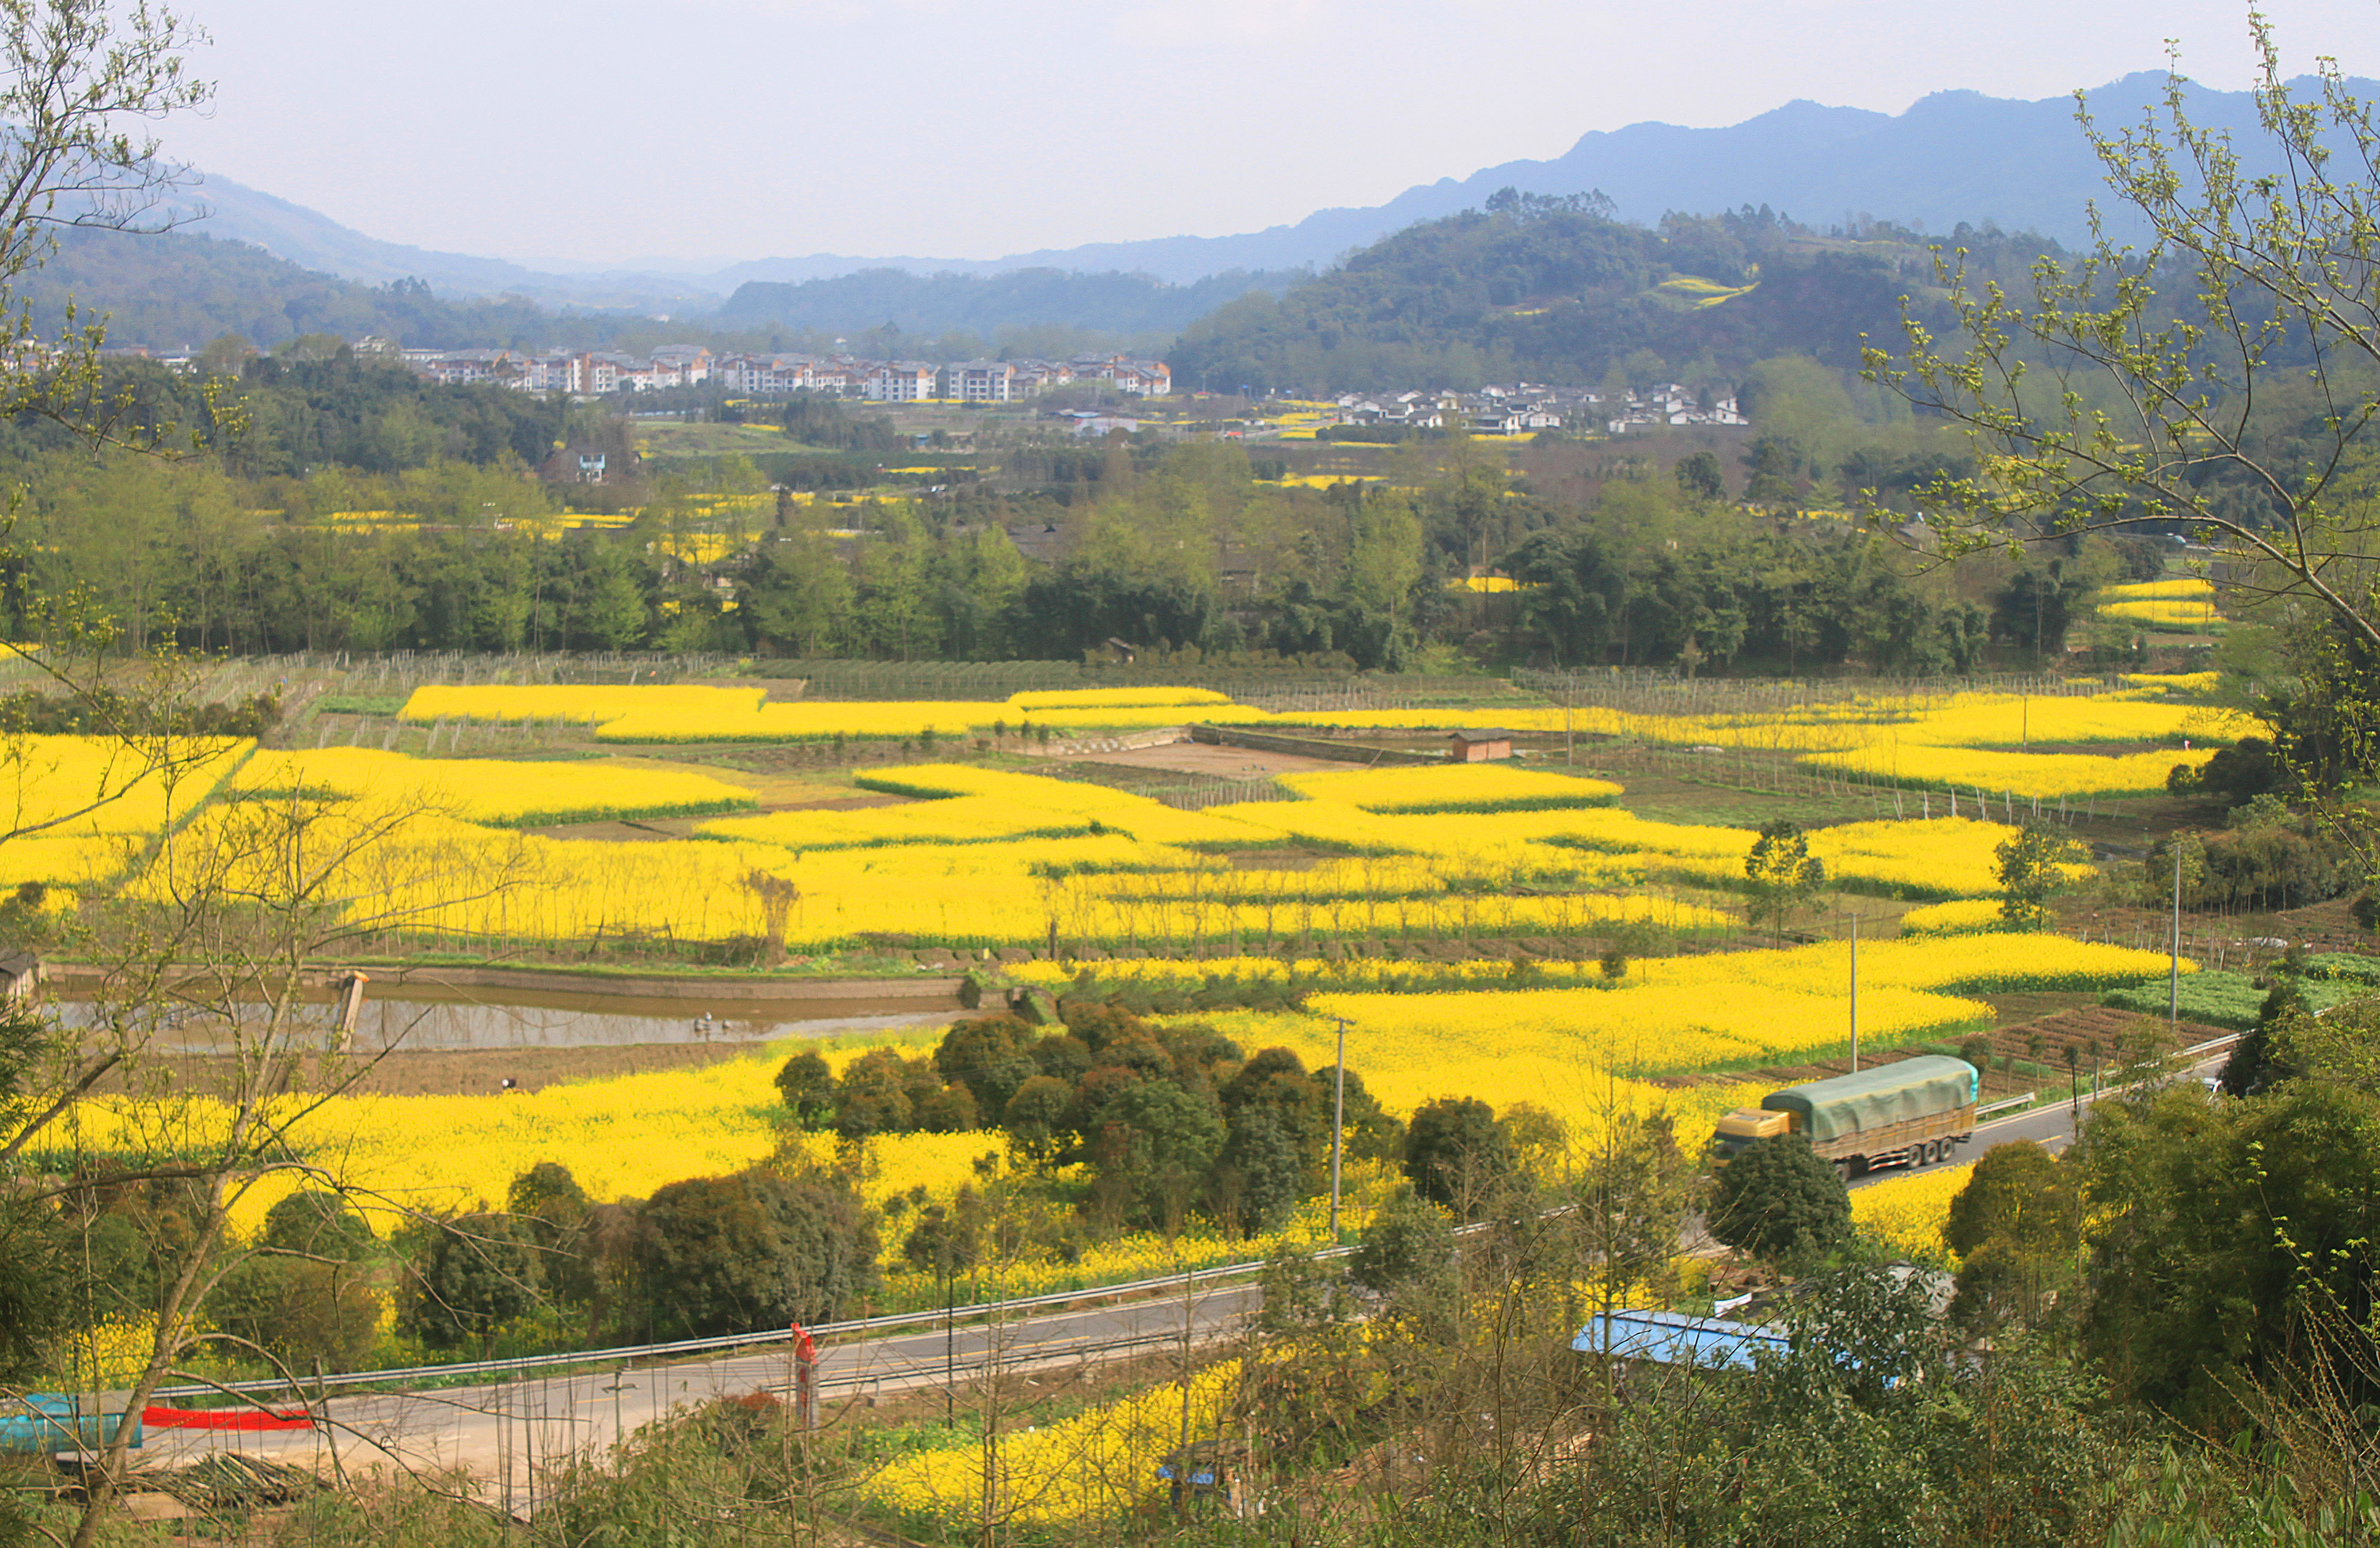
point(1711, 1342)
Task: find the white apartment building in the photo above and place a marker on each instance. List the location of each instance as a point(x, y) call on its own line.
point(899, 382)
point(980, 382)
point(766, 375)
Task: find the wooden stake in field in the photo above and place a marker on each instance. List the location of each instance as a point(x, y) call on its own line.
point(1854, 993)
point(1338, 1122)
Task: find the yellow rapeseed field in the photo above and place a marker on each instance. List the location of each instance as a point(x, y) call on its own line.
point(1959, 917)
point(1091, 1467)
point(506, 794)
point(621, 1137)
point(2185, 588)
point(1909, 1212)
point(68, 862)
point(1113, 698)
point(2050, 776)
point(2174, 616)
point(1455, 788)
point(2171, 605)
point(2173, 682)
point(1412, 1059)
point(583, 706)
point(46, 783)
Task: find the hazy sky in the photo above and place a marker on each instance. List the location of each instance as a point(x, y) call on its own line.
point(605, 130)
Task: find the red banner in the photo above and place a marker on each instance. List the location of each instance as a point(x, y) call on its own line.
point(226, 1418)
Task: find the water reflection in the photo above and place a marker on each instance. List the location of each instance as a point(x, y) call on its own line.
point(408, 1018)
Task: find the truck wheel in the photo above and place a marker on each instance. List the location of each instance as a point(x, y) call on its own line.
point(1916, 1154)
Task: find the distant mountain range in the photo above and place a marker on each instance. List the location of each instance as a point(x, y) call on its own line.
point(1952, 156)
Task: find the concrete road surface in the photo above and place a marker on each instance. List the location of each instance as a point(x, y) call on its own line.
point(502, 1433)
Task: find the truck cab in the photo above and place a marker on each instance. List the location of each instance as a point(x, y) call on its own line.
point(1743, 1126)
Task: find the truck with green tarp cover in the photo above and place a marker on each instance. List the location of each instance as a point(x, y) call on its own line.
point(1904, 1114)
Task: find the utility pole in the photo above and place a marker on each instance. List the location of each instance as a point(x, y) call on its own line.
point(1338, 1122)
point(2173, 967)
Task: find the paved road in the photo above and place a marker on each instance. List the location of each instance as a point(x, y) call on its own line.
point(2050, 1127)
point(501, 1432)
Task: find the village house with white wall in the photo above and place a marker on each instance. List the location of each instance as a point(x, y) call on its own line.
point(599, 372)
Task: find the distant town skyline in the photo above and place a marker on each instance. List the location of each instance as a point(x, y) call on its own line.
point(718, 130)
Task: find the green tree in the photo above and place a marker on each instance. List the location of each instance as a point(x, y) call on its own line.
point(1783, 875)
point(548, 1204)
point(750, 1250)
point(806, 1085)
point(1700, 476)
point(1457, 1155)
point(1154, 1147)
point(2232, 1244)
point(992, 1056)
point(947, 1239)
point(478, 1273)
point(1782, 1203)
point(608, 607)
point(1408, 1250)
point(1036, 1118)
point(1630, 1197)
point(798, 595)
point(307, 1293)
point(873, 1097)
point(1384, 553)
point(2017, 1227)
point(1260, 1168)
point(2031, 868)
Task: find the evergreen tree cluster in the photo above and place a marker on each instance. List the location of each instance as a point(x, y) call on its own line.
point(1170, 1119)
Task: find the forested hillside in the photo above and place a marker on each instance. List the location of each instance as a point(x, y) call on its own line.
point(174, 291)
point(1552, 290)
point(988, 305)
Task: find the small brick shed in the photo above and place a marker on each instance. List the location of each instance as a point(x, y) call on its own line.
point(1479, 746)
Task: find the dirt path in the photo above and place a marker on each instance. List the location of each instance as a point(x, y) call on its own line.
point(1229, 763)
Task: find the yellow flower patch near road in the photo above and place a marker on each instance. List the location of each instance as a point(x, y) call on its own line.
point(1554, 1036)
point(1408, 1060)
point(1089, 1468)
point(1908, 1212)
point(621, 1137)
